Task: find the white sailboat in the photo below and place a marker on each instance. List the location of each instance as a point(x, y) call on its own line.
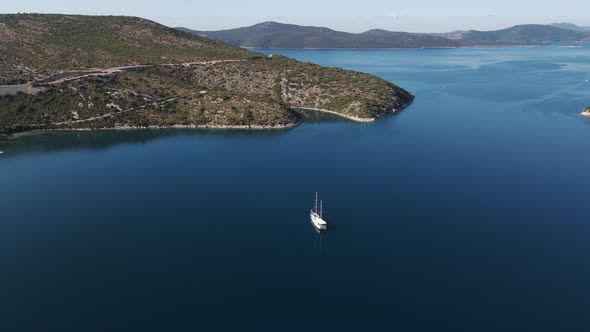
point(317, 218)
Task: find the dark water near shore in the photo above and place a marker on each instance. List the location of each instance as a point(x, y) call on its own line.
point(469, 211)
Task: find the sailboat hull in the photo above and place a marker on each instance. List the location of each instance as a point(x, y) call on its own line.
point(317, 222)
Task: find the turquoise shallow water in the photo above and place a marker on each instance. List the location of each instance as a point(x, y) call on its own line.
point(466, 212)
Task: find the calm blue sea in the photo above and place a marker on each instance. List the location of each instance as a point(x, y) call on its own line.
point(468, 211)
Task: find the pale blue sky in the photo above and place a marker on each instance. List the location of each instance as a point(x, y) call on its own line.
point(412, 15)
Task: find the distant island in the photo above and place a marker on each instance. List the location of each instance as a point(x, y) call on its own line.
point(71, 72)
point(269, 35)
point(571, 26)
point(289, 36)
point(586, 112)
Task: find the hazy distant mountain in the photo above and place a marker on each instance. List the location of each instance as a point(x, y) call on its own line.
point(570, 26)
point(278, 35)
point(530, 33)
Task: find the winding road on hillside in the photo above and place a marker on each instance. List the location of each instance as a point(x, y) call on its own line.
point(35, 87)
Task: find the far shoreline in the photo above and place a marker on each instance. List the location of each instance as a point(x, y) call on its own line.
point(390, 48)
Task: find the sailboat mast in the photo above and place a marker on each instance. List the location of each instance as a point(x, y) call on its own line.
point(316, 202)
point(321, 210)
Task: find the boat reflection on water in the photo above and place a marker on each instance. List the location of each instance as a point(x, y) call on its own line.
point(318, 239)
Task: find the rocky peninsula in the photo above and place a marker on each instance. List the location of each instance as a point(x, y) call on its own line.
point(68, 72)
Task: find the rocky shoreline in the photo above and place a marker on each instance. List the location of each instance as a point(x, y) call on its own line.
point(221, 127)
point(233, 127)
point(354, 118)
point(350, 117)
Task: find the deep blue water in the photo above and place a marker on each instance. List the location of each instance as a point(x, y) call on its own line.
point(468, 211)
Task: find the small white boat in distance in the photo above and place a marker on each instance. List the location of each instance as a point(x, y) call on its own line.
point(587, 77)
point(317, 218)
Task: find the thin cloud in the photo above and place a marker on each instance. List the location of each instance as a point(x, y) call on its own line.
point(392, 16)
